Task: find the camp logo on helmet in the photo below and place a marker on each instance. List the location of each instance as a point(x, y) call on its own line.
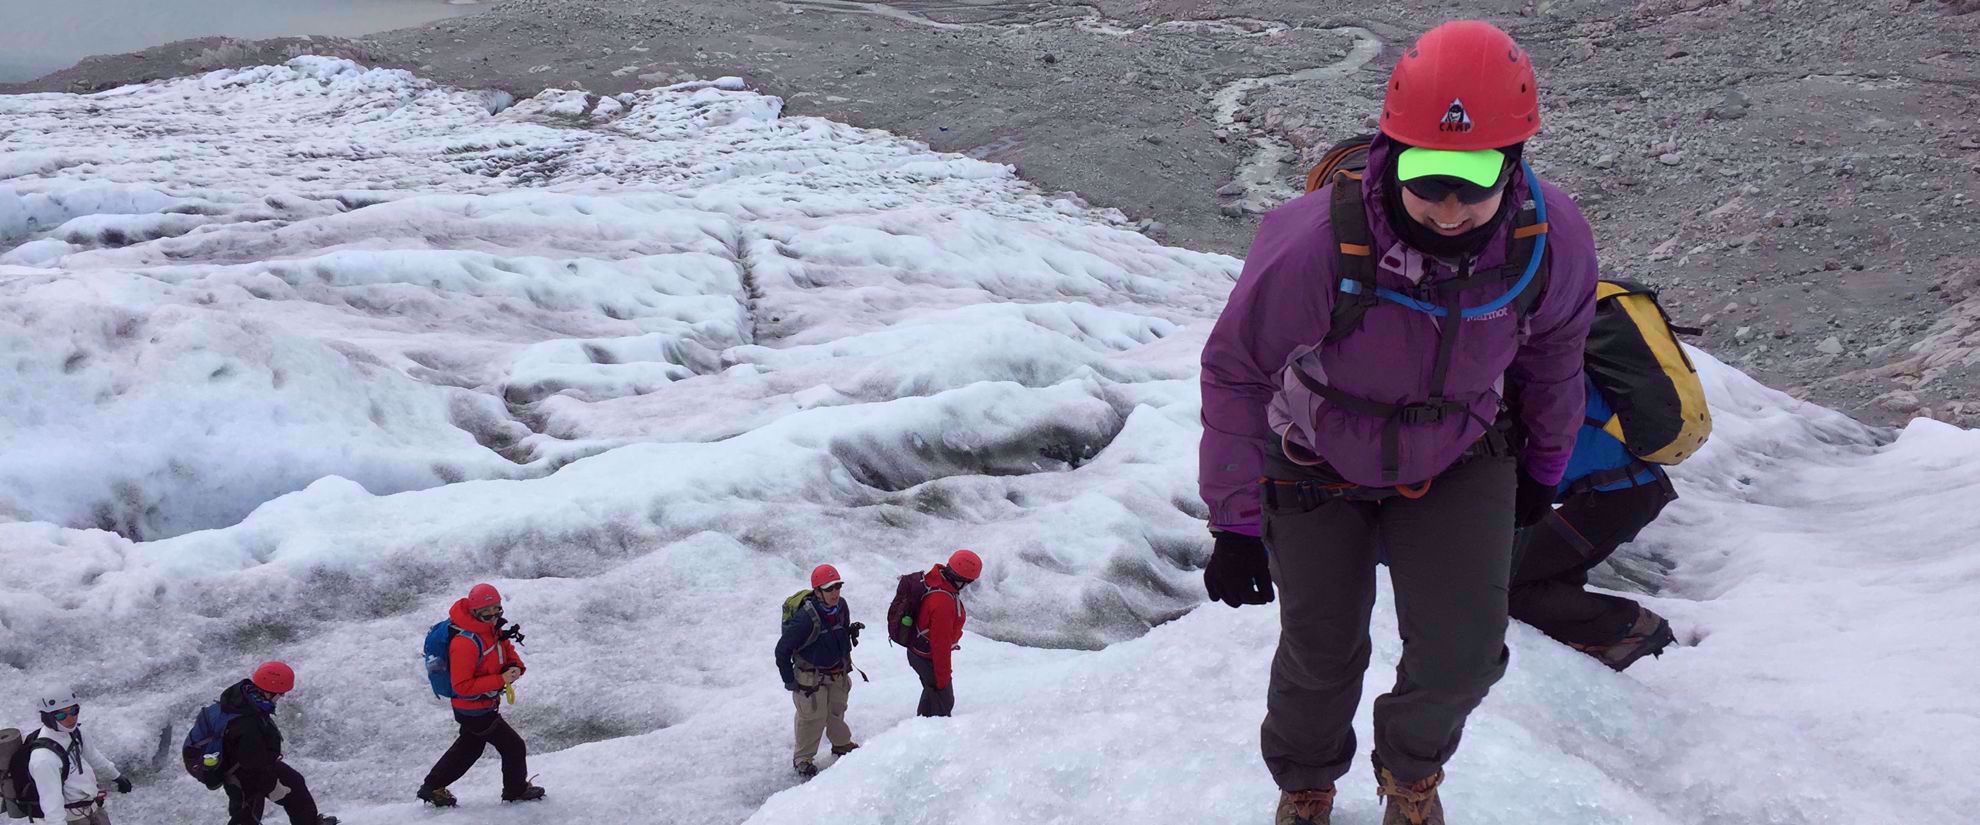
point(1456, 119)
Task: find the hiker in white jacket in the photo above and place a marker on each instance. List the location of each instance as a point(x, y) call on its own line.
point(78, 796)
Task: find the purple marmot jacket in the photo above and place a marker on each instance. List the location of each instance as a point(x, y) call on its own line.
point(1279, 312)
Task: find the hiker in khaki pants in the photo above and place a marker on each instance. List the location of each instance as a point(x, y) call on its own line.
point(814, 655)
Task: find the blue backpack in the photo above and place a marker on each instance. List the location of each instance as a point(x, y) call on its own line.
point(201, 750)
point(439, 671)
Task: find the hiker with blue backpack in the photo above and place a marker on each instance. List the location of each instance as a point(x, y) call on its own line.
point(1646, 410)
point(1351, 389)
point(471, 663)
point(54, 773)
point(814, 655)
point(234, 744)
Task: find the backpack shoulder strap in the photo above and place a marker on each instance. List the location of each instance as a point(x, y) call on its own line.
point(35, 741)
point(1354, 257)
point(817, 621)
point(1529, 245)
point(456, 630)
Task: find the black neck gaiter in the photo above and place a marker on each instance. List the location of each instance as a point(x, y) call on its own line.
point(1429, 241)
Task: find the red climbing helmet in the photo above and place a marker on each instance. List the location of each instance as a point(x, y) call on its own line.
point(1462, 86)
point(274, 677)
point(966, 565)
point(483, 595)
point(824, 574)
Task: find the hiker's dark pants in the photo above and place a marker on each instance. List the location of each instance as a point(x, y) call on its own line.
point(1550, 577)
point(934, 702)
point(477, 733)
point(290, 792)
point(1449, 556)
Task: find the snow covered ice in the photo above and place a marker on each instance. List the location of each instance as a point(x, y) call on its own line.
point(290, 356)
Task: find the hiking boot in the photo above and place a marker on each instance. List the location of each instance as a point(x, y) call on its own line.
point(529, 793)
point(806, 769)
point(1310, 807)
point(842, 750)
point(438, 797)
point(1647, 636)
point(1412, 804)
point(326, 820)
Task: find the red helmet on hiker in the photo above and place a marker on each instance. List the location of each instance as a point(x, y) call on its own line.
point(965, 564)
point(1462, 86)
point(483, 595)
point(823, 575)
point(274, 677)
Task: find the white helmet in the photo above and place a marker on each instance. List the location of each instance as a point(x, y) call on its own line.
point(55, 700)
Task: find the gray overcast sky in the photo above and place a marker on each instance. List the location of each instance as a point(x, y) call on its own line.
point(40, 36)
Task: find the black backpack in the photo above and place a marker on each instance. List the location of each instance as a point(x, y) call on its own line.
point(19, 798)
point(908, 594)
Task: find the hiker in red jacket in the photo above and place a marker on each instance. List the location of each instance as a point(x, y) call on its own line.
point(483, 665)
point(940, 618)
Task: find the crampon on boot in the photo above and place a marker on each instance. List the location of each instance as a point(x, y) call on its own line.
point(806, 769)
point(1412, 804)
point(528, 793)
point(1647, 636)
point(438, 797)
point(1309, 807)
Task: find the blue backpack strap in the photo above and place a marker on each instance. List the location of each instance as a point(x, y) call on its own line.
point(456, 630)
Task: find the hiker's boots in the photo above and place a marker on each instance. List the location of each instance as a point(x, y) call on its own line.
point(806, 768)
point(1647, 636)
point(1309, 807)
point(438, 797)
point(529, 793)
point(1413, 804)
point(842, 750)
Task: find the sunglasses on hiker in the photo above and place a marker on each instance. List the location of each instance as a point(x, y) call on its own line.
point(832, 588)
point(1435, 188)
point(488, 614)
point(65, 714)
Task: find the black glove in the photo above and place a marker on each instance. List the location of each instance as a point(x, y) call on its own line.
point(1532, 501)
point(1238, 573)
point(123, 785)
point(854, 632)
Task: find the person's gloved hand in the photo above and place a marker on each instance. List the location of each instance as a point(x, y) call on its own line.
point(1238, 573)
point(1532, 501)
point(854, 632)
point(123, 785)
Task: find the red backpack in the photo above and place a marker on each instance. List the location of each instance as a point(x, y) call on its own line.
point(901, 612)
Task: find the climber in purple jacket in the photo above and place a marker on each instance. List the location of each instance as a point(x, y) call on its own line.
point(1350, 390)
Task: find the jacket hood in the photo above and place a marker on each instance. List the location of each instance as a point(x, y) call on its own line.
point(234, 699)
point(465, 620)
point(936, 581)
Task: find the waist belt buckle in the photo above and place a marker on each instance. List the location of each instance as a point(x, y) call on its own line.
point(1425, 413)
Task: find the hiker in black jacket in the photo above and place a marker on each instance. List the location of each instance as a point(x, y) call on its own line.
point(253, 762)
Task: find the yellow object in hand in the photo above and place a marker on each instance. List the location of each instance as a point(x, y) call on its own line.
point(510, 691)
